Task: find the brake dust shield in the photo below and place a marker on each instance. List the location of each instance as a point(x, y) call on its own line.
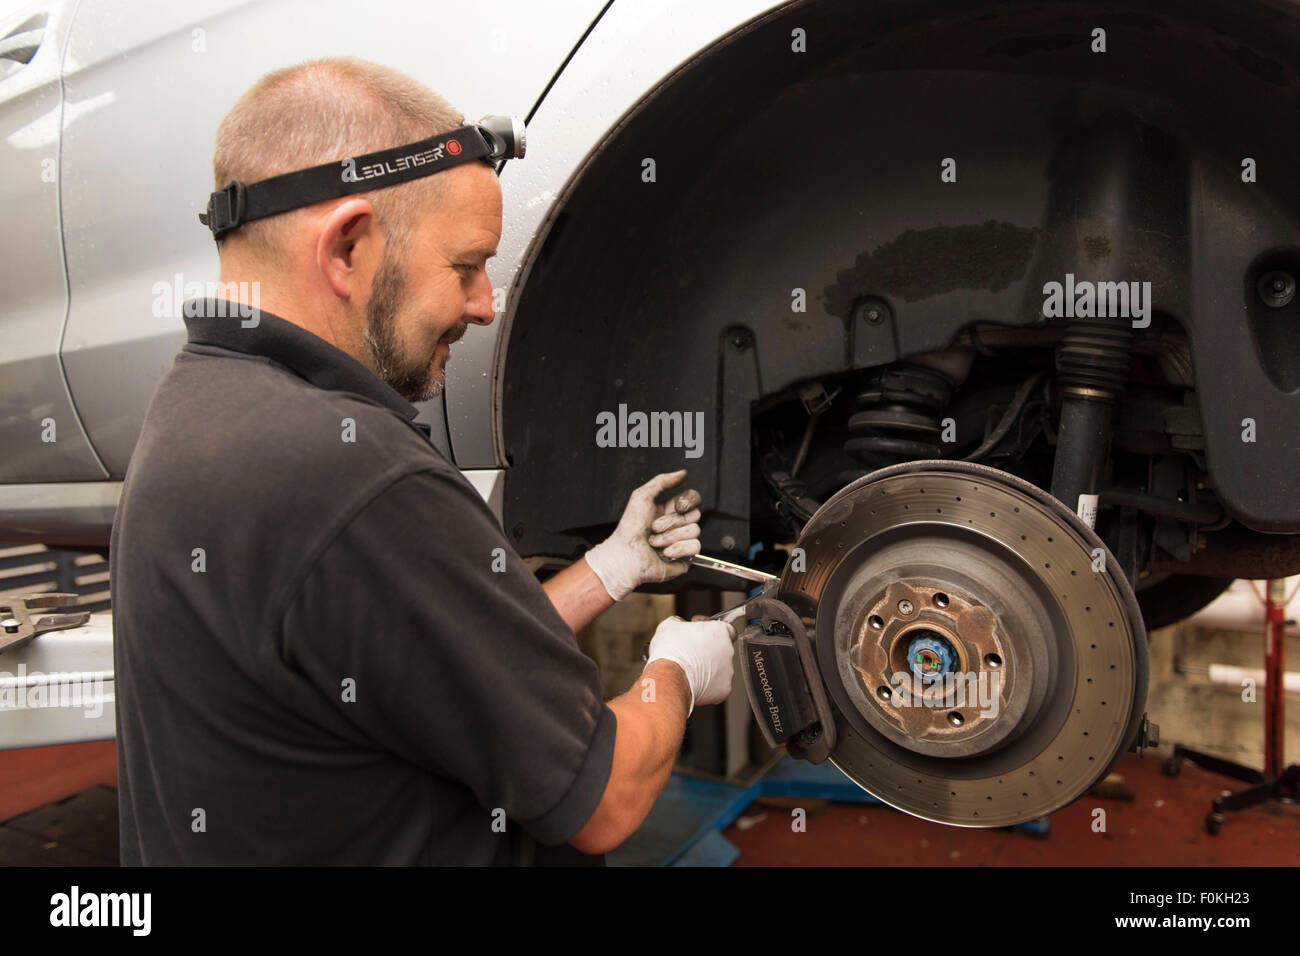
point(979, 653)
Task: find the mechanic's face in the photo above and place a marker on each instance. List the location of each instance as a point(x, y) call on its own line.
point(425, 295)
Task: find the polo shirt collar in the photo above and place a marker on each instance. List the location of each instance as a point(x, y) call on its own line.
point(230, 325)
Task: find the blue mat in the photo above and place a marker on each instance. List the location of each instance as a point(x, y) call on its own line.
point(684, 828)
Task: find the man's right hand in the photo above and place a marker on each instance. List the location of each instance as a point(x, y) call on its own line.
point(703, 650)
point(649, 729)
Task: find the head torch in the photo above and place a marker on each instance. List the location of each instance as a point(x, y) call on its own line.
point(493, 138)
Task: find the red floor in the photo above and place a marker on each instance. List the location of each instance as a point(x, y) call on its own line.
point(58, 805)
point(1164, 825)
point(35, 776)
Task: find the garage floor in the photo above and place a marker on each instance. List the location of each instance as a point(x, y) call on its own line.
point(1162, 825)
point(80, 830)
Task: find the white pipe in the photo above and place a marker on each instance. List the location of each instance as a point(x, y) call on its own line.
point(1229, 675)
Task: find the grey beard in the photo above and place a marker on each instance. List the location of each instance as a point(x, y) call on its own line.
point(414, 381)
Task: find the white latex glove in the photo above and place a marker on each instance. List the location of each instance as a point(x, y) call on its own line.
point(703, 650)
point(652, 543)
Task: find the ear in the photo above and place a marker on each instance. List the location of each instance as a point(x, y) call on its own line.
point(349, 247)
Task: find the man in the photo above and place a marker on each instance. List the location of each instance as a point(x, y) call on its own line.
point(326, 650)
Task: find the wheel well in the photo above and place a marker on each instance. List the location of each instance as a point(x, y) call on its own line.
point(718, 252)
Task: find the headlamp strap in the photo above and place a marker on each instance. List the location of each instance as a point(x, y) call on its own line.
point(237, 203)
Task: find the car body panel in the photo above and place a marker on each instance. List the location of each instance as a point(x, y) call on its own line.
point(39, 431)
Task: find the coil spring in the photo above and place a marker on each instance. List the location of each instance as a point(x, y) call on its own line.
point(898, 416)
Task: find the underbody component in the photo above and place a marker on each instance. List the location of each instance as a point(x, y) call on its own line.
point(1092, 362)
point(1103, 185)
point(982, 655)
point(1128, 177)
point(898, 416)
point(1171, 598)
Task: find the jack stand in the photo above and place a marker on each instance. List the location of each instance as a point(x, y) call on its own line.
point(1268, 784)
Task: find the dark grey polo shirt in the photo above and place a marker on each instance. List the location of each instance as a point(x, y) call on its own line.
point(316, 661)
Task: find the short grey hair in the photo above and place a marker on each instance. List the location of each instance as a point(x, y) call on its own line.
point(319, 112)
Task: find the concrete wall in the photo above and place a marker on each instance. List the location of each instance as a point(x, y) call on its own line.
point(616, 638)
point(1192, 712)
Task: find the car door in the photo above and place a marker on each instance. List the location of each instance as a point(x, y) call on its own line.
point(39, 432)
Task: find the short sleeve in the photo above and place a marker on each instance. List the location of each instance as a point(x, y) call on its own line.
point(460, 663)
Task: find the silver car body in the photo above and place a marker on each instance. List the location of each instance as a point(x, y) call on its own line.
point(118, 109)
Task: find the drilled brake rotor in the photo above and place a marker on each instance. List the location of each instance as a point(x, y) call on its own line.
point(984, 656)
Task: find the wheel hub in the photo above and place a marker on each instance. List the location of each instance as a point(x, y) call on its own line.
point(927, 664)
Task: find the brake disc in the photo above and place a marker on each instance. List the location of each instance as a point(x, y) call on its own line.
point(978, 652)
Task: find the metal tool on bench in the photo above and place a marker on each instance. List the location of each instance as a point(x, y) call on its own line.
point(17, 628)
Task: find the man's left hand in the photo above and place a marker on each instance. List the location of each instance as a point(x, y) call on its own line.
point(653, 542)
